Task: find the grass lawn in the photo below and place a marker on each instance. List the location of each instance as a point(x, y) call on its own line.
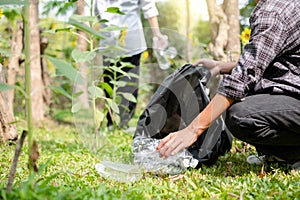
point(67, 172)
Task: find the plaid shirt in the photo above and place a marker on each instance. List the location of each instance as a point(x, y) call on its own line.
point(270, 62)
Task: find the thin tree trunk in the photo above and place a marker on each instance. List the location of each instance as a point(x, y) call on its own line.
point(13, 68)
point(225, 44)
point(28, 79)
point(37, 86)
point(8, 130)
point(225, 29)
point(45, 75)
point(233, 46)
point(82, 46)
point(219, 30)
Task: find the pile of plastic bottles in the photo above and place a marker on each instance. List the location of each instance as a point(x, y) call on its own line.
point(146, 159)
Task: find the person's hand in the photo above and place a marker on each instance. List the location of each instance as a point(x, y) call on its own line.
point(177, 141)
point(212, 65)
point(206, 62)
point(160, 42)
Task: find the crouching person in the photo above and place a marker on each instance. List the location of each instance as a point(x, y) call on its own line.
point(261, 92)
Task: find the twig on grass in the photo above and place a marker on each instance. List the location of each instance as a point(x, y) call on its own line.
point(15, 162)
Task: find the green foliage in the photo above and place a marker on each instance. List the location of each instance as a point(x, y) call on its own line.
point(62, 7)
point(67, 172)
point(64, 68)
point(60, 90)
point(67, 165)
point(245, 13)
point(200, 40)
point(7, 25)
point(4, 87)
point(201, 32)
point(170, 14)
point(12, 13)
point(114, 10)
point(79, 56)
point(84, 19)
point(85, 28)
point(13, 2)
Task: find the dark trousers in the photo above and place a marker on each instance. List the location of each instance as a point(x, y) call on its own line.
point(126, 107)
point(269, 122)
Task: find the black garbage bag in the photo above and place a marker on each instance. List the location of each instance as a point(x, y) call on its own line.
point(174, 105)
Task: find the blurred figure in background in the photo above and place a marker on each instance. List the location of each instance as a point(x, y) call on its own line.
point(131, 39)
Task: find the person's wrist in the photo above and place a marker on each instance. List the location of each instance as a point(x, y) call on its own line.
point(197, 129)
point(218, 67)
point(156, 32)
point(215, 70)
point(159, 36)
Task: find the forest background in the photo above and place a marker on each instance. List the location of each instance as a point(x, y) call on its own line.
point(51, 91)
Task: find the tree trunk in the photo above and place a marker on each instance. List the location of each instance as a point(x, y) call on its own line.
point(219, 30)
point(8, 130)
point(16, 46)
point(82, 46)
point(233, 46)
point(45, 75)
point(225, 30)
point(37, 86)
point(224, 22)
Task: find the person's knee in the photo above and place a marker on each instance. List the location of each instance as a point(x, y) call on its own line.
point(237, 123)
point(245, 127)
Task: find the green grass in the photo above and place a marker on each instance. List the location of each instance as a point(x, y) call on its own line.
point(67, 172)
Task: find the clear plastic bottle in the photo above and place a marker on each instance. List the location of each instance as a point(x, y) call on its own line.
point(146, 159)
point(146, 156)
point(169, 53)
point(163, 54)
point(119, 171)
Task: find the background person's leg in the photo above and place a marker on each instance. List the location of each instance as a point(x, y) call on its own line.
point(269, 122)
point(127, 108)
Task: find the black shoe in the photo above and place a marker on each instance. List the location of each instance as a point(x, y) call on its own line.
point(264, 159)
point(296, 166)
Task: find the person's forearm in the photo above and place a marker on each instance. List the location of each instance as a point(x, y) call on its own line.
point(225, 67)
point(216, 67)
point(214, 109)
point(153, 21)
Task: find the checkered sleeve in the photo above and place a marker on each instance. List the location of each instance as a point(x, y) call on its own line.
point(267, 40)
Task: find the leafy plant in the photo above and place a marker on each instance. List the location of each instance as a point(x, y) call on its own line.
point(103, 97)
point(62, 7)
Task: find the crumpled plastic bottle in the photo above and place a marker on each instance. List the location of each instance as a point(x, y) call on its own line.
point(119, 171)
point(146, 156)
point(146, 159)
point(163, 54)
